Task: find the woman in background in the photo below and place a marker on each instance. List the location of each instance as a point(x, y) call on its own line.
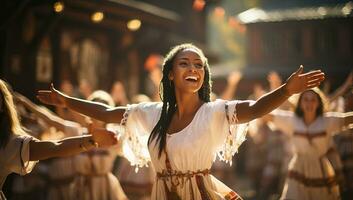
point(310, 174)
point(20, 151)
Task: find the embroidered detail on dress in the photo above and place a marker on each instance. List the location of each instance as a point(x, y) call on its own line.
point(202, 188)
point(166, 174)
point(236, 136)
point(135, 152)
point(232, 196)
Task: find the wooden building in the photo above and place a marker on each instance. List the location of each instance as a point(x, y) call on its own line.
point(47, 41)
point(317, 37)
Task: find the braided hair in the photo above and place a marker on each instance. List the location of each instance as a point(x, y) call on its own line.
point(167, 94)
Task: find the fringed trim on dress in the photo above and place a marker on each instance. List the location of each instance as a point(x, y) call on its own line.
point(133, 148)
point(236, 135)
point(232, 196)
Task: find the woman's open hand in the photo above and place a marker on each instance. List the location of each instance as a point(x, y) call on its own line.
point(52, 97)
point(103, 137)
point(299, 82)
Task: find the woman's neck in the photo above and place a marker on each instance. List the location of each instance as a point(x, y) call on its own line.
point(187, 104)
point(309, 118)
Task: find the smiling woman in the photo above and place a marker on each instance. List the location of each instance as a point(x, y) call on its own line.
point(184, 133)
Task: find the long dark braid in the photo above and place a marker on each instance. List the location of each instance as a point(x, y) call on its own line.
point(167, 94)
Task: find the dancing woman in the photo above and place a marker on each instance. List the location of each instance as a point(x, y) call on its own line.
point(184, 133)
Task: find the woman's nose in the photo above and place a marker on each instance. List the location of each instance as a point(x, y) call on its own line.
point(192, 67)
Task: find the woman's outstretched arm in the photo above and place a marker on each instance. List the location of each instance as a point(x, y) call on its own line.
point(296, 83)
point(66, 126)
point(92, 109)
point(40, 150)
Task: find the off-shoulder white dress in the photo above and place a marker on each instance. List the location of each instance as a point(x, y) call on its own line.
point(14, 158)
point(191, 151)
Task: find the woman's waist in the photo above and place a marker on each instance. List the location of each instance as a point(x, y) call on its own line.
point(165, 174)
point(310, 153)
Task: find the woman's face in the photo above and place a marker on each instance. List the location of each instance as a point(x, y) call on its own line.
point(309, 102)
point(188, 71)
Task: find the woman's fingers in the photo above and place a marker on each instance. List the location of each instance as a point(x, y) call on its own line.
point(317, 76)
point(315, 80)
point(312, 85)
point(312, 73)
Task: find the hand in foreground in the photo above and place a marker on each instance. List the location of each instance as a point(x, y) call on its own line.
point(299, 82)
point(52, 97)
point(103, 137)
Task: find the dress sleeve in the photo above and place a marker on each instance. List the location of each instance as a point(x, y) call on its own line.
point(284, 120)
point(334, 122)
point(227, 133)
point(19, 158)
point(136, 126)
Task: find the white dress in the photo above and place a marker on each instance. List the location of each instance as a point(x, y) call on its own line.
point(310, 174)
point(94, 180)
point(61, 171)
point(191, 151)
point(15, 158)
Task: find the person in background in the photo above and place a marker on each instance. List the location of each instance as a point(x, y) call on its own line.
point(344, 143)
point(310, 174)
point(20, 151)
point(118, 94)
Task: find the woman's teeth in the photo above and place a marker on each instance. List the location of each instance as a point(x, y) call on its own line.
point(191, 78)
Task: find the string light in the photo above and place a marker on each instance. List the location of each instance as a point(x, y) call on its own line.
point(134, 24)
point(97, 17)
point(58, 7)
point(198, 5)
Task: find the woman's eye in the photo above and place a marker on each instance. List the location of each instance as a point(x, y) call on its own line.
point(199, 66)
point(183, 64)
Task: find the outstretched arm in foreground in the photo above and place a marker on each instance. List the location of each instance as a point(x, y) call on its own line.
point(92, 109)
point(40, 150)
point(296, 83)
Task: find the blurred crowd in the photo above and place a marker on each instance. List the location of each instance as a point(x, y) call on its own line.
point(105, 174)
